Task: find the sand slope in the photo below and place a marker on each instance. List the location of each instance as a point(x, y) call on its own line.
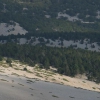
point(46, 75)
point(20, 88)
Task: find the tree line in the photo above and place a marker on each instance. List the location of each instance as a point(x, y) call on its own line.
point(93, 36)
point(67, 60)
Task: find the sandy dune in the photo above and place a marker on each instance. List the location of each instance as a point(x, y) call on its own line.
point(20, 88)
point(47, 75)
point(17, 84)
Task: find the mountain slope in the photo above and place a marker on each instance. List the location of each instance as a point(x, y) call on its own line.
point(52, 15)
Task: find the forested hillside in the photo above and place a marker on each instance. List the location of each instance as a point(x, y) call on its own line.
point(52, 15)
point(57, 20)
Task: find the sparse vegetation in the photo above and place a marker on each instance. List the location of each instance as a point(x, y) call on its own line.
point(53, 79)
point(25, 69)
point(65, 79)
point(93, 87)
point(84, 82)
point(37, 74)
point(15, 74)
point(29, 71)
point(55, 96)
point(20, 84)
point(71, 97)
point(4, 80)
